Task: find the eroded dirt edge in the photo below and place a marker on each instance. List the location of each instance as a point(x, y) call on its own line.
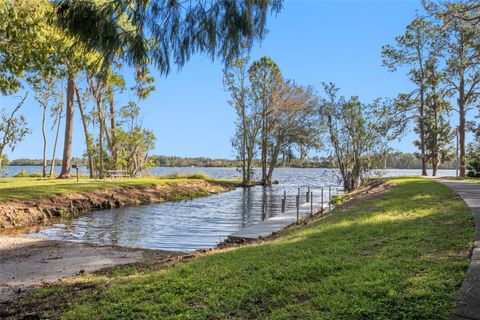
point(21, 213)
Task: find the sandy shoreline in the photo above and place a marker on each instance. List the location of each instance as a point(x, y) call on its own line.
point(27, 263)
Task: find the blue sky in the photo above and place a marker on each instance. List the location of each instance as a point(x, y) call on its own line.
point(311, 41)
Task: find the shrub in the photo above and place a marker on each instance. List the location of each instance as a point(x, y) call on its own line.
point(25, 174)
point(196, 175)
point(473, 164)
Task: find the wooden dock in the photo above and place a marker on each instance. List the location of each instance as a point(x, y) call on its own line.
point(274, 224)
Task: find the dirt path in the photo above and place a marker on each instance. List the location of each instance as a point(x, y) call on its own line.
point(26, 263)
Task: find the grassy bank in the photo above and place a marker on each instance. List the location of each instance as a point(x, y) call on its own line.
point(37, 188)
point(402, 256)
point(36, 201)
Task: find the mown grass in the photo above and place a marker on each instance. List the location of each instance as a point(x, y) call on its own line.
point(18, 188)
point(402, 256)
point(472, 179)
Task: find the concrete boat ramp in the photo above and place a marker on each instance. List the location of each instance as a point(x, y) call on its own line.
point(276, 223)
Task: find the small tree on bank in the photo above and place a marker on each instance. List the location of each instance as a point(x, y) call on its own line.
point(133, 141)
point(358, 133)
point(273, 115)
point(248, 124)
point(265, 78)
point(13, 129)
point(293, 121)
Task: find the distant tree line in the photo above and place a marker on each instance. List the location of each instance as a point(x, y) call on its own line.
point(392, 160)
point(175, 161)
point(405, 160)
point(39, 162)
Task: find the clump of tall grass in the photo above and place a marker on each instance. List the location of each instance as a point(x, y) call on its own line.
point(195, 175)
point(25, 174)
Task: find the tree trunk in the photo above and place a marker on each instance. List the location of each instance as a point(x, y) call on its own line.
point(249, 158)
point(435, 140)
point(113, 144)
point(461, 142)
point(100, 138)
point(88, 137)
point(422, 131)
point(96, 90)
point(59, 120)
point(264, 148)
point(67, 143)
point(44, 163)
point(461, 126)
point(273, 164)
point(244, 147)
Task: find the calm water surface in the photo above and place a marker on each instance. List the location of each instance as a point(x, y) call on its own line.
point(199, 223)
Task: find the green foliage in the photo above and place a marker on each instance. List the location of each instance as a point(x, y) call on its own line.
point(338, 200)
point(196, 175)
point(165, 32)
point(25, 174)
point(264, 75)
point(13, 128)
point(359, 133)
point(4, 160)
point(247, 122)
point(473, 156)
point(132, 141)
point(406, 160)
point(273, 115)
point(438, 135)
point(24, 41)
point(403, 256)
point(417, 49)
point(143, 83)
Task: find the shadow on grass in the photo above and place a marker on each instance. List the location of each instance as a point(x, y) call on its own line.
point(402, 256)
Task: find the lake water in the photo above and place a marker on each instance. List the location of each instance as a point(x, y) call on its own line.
point(203, 222)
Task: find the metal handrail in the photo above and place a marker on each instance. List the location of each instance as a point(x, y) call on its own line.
point(326, 193)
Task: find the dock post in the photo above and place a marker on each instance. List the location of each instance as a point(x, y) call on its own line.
point(298, 207)
point(311, 203)
point(322, 201)
point(266, 205)
point(264, 213)
point(284, 200)
point(329, 197)
point(308, 194)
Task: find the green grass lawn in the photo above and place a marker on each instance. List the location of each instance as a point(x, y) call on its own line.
point(34, 188)
point(472, 179)
point(403, 256)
